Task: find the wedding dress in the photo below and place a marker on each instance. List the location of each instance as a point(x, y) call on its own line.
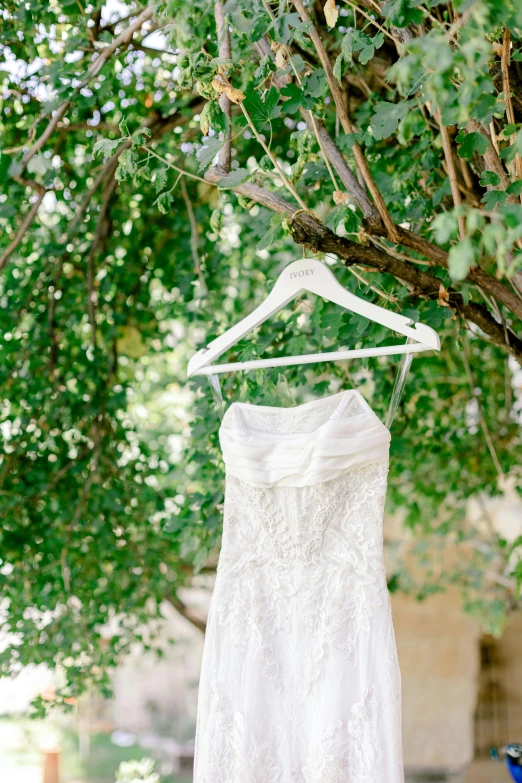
point(300, 681)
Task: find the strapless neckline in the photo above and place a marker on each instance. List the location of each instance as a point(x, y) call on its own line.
point(303, 444)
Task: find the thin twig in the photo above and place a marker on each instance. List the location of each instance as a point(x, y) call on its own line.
point(392, 252)
point(323, 151)
point(371, 19)
point(378, 291)
point(273, 159)
point(315, 129)
point(494, 139)
point(482, 418)
point(310, 114)
point(79, 126)
point(80, 212)
point(112, 25)
point(203, 290)
point(100, 234)
point(172, 166)
point(346, 123)
point(506, 89)
point(187, 612)
point(452, 172)
point(22, 230)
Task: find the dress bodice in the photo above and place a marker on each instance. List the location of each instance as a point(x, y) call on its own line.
point(294, 447)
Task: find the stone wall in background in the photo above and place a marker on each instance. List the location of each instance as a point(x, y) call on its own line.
point(438, 648)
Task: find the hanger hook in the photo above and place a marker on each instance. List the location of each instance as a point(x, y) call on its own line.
point(294, 215)
point(290, 222)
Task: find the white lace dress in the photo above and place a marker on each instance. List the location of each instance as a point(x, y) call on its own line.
point(300, 681)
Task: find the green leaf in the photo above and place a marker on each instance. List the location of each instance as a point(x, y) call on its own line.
point(378, 40)
point(343, 214)
point(127, 164)
point(368, 49)
point(461, 258)
point(330, 322)
point(106, 147)
point(489, 178)
point(258, 29)
point(268, 238)
point(336, 217)
point(236, 177)
point(386, 118)
point(359, 324)
point(445, 227)
point(358, 41)
point(164, 201)
point(282, 27)
point(470, 143)
point(512, 215)
point(347, 140)
point(409, 312)
point(484, 108)
point(208, 151)
point(38, 164)
point(271, 100)
point(143, 174)
point(494, 197)
point(160, 179)
point(300, 36)
point(338, 67)
point(442, 192)
point(401, 13)
point(515, 188)
point(315, 83)
point(265, 68)
point(15, 168)
point(140, 136)
point(508, 153)
point(213, 117)
point(262, 111)
point(296, 99)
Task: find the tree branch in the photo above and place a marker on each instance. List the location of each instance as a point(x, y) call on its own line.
point(333, 153)
point(93, 70)
point(488, 283)
point(28, 220)
point(374, 224)
point(102, 231)
point(187, 612)
point(492, 161)
point(308, 230)
point(347, 126)
point(347, 177)
point(111, 26)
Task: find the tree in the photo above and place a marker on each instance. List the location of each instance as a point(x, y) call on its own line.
point(159, 167)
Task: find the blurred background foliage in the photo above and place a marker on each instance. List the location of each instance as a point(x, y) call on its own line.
point(129, 240)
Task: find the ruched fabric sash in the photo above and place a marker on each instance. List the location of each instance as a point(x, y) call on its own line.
point(267, 459)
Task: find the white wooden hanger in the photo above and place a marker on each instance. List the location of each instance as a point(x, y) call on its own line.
point(310, 274)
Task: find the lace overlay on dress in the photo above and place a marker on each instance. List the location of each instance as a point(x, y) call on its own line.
point(300, 681)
